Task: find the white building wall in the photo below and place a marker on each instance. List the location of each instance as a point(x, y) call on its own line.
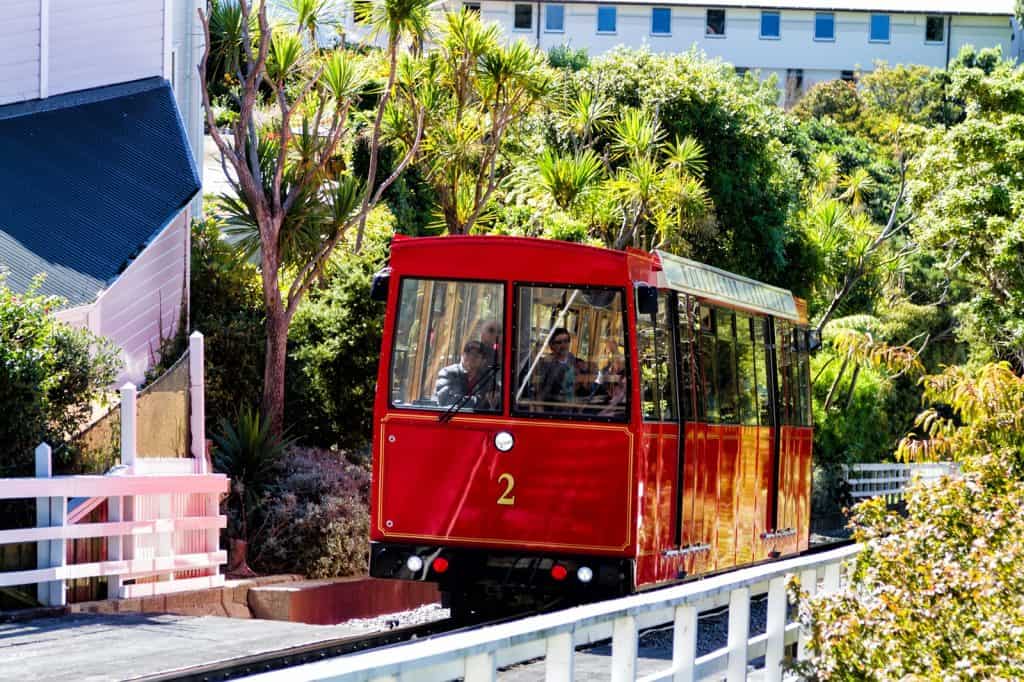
point(187, 51)
point(104, 42)
point(19, 51)
point(742, 45)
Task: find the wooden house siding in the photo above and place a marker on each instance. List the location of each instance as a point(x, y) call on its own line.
point(143, 302)
point(146, 299)
point(103, 42)
point(19, 51)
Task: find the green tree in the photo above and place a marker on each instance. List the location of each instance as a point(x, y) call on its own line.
point(50, 376)
point(281, 155)
point(479, 93)
point(938, 593)
point(968, 192)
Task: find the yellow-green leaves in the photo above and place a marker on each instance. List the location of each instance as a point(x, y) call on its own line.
point(343, 76)
point(285, 57)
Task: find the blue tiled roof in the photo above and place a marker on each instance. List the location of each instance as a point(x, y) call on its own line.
point(87, 180)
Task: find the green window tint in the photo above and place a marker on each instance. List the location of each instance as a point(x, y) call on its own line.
point(745, 364)
point(706, 377)
point(761, 353)
point(656, 363)
point(725, 347)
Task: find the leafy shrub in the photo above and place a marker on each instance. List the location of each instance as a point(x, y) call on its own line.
point(837, 100)
point(565, 57)
point(317, 520)
point(250, 454)
point(50, 374)
point(227, 308)
point(939, 594)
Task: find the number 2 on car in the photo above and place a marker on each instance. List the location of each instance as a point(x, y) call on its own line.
point(507, 498)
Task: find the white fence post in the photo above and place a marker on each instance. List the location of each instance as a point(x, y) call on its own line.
point(809, 584)
point(684, 642)
point(775, 629)
point(480, 668)
point(128, 419)
point(115, 513)
point(624, 646)
point(739, 633)
point(558, 666)
point(50, 512)
point(197, 400)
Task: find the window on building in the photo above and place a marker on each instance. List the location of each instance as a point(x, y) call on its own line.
point(824, 26)
point(361, 11)
point(606, 20)
point(879, 28)
point(741, 71)
point(554, 18)
point(471, 7)
point(661, 21)
point(771, 25)
point(848, 76)
point(524, 17)
point(715, 24)
point(935, 30)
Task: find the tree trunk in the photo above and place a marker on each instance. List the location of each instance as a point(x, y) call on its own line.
point(273, 371)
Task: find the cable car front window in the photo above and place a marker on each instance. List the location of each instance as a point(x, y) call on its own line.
point(447, 346)
point(570, 359)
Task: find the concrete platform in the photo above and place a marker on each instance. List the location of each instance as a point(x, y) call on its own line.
point(127, 646)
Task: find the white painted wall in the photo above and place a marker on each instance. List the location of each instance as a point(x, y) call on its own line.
point(187, 50)
point(48, 47)
point(143, 301)
point(19, 51)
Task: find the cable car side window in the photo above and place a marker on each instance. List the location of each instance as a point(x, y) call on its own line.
point(654, 352)
point(447, 345)
point(570, 353)
point(727, 380)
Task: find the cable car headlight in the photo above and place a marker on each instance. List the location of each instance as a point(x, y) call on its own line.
point(585, 574)
point(414, 563)
point(504, 441)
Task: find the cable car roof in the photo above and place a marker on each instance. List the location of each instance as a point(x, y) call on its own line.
point(702, 280)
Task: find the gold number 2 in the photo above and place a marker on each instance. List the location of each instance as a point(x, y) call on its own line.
point(507, 498)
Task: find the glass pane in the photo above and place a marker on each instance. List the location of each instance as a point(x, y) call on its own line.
point(691, 385)
point(745, 370)
point(656, 363)
point(726, 352)
point(606, 19)
point(770, 25)
point(880, 27)
point(824, 26)
point(661, 20)
point(707, 380)
point(571, 353)
point(785, 363)
point(555, 17)
point(934, 30)
point(761, 372)
point(715, 23)
point(447, 345)
point(524, 16)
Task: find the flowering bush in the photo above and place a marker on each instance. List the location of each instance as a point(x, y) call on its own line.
point(316, 520)
point(938, 594)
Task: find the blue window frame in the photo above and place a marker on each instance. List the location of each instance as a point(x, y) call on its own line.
point(824, 26)
point(771, 25)
point(661, 21)
point(879, 28)
point(606, 19)
point(554, 18)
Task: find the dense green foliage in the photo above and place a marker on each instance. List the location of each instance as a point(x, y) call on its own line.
point(938, 594)
point(50, 376)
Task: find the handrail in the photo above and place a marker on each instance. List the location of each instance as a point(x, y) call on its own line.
point(475, 655)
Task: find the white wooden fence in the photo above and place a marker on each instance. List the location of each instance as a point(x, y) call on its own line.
point(476, 655)
point(890, 480)
point(163, 517)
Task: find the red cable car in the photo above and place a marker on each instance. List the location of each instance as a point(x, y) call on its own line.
point(562, 422)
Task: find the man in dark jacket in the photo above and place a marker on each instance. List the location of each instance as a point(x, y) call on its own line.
point(456, 381)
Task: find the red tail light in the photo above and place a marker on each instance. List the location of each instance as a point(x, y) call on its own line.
point(558, 572)
point(440, 565)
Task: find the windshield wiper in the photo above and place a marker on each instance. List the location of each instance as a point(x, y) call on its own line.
point(461, 402)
